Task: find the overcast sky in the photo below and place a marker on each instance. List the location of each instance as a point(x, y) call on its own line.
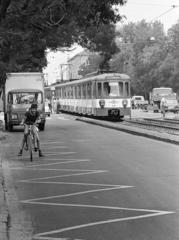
point(151, 10)
point(134, 11)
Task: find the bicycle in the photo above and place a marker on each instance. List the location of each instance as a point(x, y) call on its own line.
point(30, 140)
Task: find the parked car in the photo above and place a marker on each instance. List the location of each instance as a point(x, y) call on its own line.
point(138, 102)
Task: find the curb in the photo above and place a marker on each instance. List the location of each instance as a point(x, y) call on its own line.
point(14, 224)
point(164, 137)
point(4, 215)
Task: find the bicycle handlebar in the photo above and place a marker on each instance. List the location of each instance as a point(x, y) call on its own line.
point(30, 123)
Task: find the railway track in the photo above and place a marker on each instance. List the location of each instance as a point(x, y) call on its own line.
point(165, 125)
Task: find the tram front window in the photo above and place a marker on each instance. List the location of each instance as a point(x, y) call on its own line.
point(113, 89)
point(126, 89)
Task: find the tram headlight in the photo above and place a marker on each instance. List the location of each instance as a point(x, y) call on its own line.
point(124, 103)
point(102, 103)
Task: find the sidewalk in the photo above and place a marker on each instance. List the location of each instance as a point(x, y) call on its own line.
point(3, 204)
point(4, 216)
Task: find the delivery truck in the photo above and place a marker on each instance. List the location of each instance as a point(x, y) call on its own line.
point(171, 103)
point(20, 91)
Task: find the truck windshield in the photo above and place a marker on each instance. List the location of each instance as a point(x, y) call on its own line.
point(25, 97)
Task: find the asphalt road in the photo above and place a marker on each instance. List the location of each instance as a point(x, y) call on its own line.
point(94, 183)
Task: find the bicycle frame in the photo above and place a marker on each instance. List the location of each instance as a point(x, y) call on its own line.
point(29, 139)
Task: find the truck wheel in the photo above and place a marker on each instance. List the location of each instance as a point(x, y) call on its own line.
point(42, 126)
point(10, 127)
point(6, 123)
point(6, 126)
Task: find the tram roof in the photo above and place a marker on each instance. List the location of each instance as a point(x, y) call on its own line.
point(104, 76)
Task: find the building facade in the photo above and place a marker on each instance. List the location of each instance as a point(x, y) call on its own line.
point(76, 61)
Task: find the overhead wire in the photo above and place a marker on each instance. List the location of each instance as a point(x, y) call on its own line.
point(169, 10)
point(148, 4)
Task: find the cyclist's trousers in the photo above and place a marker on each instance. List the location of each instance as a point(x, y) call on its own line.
point(35, 135)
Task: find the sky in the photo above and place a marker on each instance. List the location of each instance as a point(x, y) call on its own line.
point(151, 10)
point(55, 61)
point(134, 11)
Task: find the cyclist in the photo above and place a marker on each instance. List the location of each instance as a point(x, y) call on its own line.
point(32, 115)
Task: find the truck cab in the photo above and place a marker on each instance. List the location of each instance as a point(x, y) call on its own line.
point(18, 102)
point(20, 91)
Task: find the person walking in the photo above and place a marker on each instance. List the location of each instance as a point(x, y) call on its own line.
point(162, 106)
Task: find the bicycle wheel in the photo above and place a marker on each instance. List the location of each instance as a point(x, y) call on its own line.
point(29, 140)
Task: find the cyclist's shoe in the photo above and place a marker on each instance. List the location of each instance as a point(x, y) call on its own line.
point(26, 147)
point(20, 153)
point(41, 154)
point(35, 149)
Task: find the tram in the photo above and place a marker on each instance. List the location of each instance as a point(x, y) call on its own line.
point(104, 95)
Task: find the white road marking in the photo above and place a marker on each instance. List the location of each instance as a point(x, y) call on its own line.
point(36, 155)
point(80, 183)
point(49, 238)
point(65, 175)
point(57, 163)
point(44, 143)
point(155, 213)
point(79, 140)
point(36, 200)
point(63, 118)
point(55, 147)
point(102, 188)
point(58, 153)
point(66, 160)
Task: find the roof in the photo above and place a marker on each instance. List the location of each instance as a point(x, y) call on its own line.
point(25, 90)
point(25, 73)
point(85, 52)
point(101, 77)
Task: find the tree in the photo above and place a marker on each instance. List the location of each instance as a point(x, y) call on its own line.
point(173, 52)
point(29, 27)
point(142, 49)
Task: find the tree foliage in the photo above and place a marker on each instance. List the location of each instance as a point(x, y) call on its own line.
point(29, 27)
point(148, 55)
